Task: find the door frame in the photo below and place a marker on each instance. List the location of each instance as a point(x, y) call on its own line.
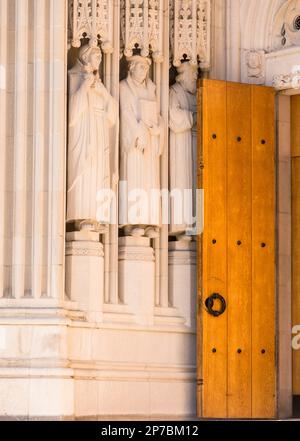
point(284, 256)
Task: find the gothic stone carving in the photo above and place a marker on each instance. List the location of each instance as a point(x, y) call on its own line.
point(182, 122)
point(92, 114)
point(141, 143)
point(286, 28)
point(288, 81)
point(254, 67)
point(190, 31)
point(94, 20)
point(142, 27)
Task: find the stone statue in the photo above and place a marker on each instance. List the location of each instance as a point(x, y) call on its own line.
point(183, 149)
point(141, 143)
point(93, 114)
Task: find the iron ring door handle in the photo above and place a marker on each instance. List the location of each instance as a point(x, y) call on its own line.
point(210, 302)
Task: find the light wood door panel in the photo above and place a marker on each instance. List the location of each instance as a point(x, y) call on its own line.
point(214, 264)
point(236, 169)
point(239, 248)
point(263, 253)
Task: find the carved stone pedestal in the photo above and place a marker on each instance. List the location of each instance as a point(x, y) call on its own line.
point(136, 277)
point(85, 273)
point(182, 279)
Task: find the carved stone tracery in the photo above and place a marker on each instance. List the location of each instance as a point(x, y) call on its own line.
point(190, 31)
point(92, 19)
point(141, 24)
point(141, 27)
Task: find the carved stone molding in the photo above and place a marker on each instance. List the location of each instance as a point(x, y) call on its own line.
point(140, 254)
point(94, 249)
point(92, 19)
point(286, 28)
point(182, 257)
point(190, 31)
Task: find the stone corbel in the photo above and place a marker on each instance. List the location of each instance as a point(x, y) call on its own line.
point(254, 67)
point(287, 81)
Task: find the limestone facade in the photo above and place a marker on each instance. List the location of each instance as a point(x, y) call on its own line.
point(102, 322)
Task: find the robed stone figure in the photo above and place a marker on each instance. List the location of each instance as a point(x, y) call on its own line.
point(183, 149)
point(141, 145)
point(93, 114)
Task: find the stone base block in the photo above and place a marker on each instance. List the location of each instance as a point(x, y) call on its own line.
point(136, 277)
point(182, 279)
point(85, 277)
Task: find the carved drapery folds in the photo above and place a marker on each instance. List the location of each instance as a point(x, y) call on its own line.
point(190, 31)
point(92, 123)
point(92, 19)
point(141, 143)
point(183, 150)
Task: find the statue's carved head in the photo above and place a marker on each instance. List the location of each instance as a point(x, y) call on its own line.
point(90, 57)
point(187, 77)
point(139, 68)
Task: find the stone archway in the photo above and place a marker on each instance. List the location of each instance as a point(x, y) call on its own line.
point(257, 19)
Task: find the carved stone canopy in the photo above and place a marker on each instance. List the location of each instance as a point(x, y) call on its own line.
point(92, 19)
point(190, 32)
point(142, 26)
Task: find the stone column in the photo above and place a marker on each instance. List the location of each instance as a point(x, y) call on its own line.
point(182, 279)
point(32, 134)
point(137, 277)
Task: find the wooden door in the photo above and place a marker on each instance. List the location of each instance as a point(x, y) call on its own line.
point(236, 164)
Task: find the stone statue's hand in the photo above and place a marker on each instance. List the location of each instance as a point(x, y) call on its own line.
point(140, 145)
point(142, 136)
point(154, 130)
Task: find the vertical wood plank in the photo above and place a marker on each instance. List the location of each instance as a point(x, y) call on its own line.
point(214, 248)
point(263, 253)
point(239, 249)
point(295, 144)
